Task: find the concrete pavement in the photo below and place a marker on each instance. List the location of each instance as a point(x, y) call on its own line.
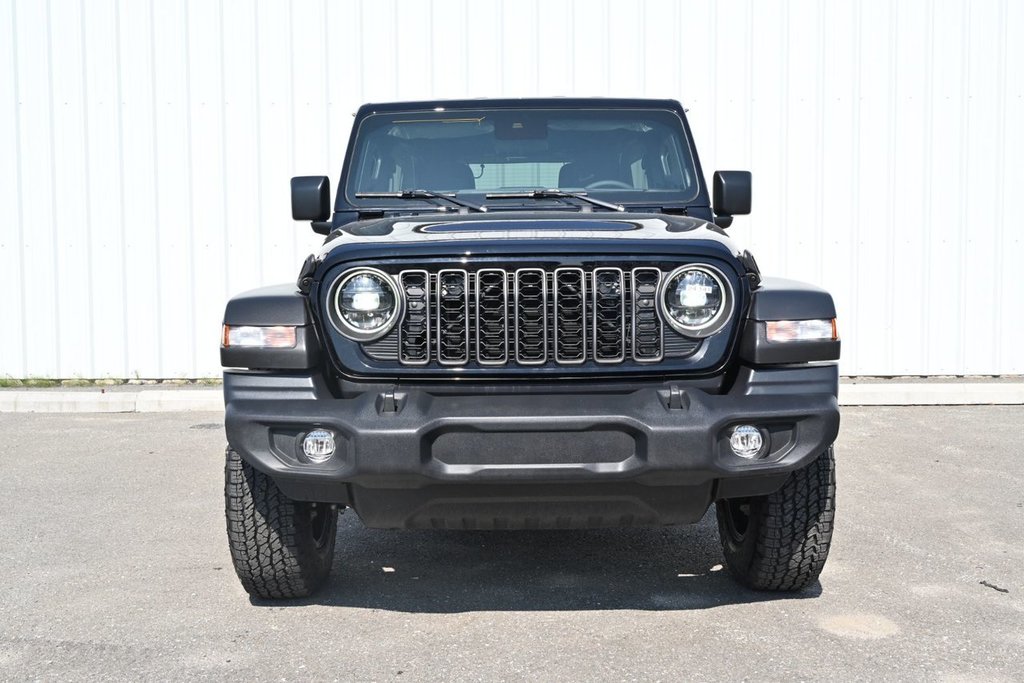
point(115, 565)
point(127, 399)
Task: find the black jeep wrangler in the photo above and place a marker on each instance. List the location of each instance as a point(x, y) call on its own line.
point(527, 314)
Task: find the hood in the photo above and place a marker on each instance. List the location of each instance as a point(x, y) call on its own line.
point(464, 230)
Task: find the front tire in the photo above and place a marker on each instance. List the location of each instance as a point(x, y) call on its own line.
point(281, 548)
point(780, 542)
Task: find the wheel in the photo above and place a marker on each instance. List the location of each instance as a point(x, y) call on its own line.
point(780, 541)
point(281, 548)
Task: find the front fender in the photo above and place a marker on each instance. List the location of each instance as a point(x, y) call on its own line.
point(781, 299)
point(277, 305)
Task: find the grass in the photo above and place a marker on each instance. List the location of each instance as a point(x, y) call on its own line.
point(33, 382)
point(43, 382)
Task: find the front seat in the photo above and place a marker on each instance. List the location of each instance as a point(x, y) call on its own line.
point(450, 176)
point(579, 175)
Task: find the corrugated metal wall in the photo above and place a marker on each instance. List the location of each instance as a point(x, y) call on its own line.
point(146, 146)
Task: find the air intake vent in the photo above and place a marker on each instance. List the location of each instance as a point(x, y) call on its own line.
point(531, 303)
point(609, 295)
point(414, 332)
point(570, 301)
point(647, 330)
point(452, 317)
point(492, 317)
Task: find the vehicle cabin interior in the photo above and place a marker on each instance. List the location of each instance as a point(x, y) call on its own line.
point(508, 151)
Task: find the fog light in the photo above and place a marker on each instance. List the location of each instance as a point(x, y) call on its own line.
point(318, 445)
point(746, 441)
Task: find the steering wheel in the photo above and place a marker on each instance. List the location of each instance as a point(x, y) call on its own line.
point(609, 185)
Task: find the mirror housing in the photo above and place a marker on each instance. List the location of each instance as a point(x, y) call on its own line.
point(311, 198)
point(731, 195)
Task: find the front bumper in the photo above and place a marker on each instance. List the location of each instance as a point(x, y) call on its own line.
point(415, 458)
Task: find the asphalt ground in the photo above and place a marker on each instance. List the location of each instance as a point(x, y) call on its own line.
point(114, 564)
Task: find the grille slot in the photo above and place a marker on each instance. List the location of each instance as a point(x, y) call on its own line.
point(414, 331)
point(570, 319)
point(609, 307)
point(531, 306)
point(491, 317)
point(452, 317)
point(647, 328)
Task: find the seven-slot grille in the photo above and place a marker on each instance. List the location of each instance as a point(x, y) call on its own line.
point(530, 317)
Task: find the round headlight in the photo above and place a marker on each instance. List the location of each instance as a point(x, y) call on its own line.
point(366, 304)
point(696, 300)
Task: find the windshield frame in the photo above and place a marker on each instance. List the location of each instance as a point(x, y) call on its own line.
point(347, 201)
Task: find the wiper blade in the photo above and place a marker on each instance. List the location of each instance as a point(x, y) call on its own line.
point(422, 194)
point(556, 194)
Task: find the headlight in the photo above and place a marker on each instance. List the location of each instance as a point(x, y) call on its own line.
point(366, 304)
point(696, 300)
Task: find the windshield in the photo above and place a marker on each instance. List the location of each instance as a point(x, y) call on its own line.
point(621, 155)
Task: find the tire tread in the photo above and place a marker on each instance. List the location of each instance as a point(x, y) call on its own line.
point(793, 531)
point(269, 537)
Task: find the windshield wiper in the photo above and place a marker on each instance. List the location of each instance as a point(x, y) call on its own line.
point(422, 194)
point(556, 194)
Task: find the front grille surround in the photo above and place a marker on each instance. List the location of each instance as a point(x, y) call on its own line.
point(497, 334)
point(532, 316)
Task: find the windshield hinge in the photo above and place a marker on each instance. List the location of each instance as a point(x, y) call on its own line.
point(305, 279)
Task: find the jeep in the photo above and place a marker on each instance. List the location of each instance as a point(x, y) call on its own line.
point(527, 314)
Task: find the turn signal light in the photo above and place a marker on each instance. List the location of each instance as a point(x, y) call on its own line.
point(250, 336)
point(802, 330)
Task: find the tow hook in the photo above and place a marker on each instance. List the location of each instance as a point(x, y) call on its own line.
point(388, 402)
point(677, 398)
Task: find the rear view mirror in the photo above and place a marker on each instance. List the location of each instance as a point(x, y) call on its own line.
point(731, 195)
point(311, 198)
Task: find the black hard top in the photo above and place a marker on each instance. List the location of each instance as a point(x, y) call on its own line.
point(522, 103)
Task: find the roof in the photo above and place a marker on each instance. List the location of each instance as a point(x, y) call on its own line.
point(520, 103)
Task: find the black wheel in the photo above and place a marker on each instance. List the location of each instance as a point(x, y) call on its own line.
point(281, 548)
point(780, 541)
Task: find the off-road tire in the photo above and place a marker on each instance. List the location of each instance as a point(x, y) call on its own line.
point(785, 540)
point(281, 548)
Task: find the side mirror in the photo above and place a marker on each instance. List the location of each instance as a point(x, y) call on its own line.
point(311, 198)
point(731, 190)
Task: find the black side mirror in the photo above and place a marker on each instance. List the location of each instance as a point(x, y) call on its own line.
point(311, 198)
point(731, 191)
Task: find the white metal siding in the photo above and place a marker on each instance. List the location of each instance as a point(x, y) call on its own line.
point(146, 147)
